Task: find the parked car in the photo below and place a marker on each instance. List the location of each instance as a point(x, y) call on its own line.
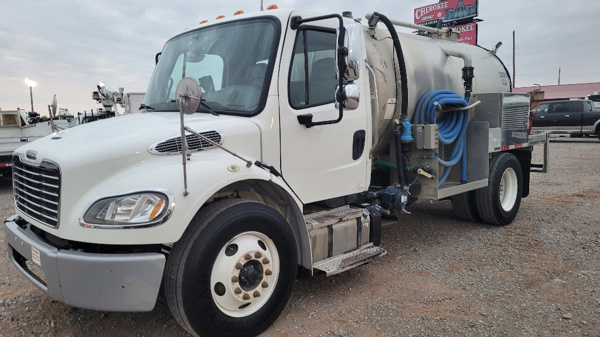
point(575, 117)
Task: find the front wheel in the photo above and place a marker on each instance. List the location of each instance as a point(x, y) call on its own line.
point(499, 202)
point(233, 271)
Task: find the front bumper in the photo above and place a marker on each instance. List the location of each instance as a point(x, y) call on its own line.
point(110, 282)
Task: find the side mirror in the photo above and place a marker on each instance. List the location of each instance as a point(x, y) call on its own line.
point(352, 97)
point(352, 43)
point(188, 95)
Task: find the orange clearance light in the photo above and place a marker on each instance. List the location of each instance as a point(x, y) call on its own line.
point(273, 7)
point(220, 17)
point(203, 21)
point(238, 12)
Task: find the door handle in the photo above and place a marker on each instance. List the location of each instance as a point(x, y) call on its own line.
point(567, 115)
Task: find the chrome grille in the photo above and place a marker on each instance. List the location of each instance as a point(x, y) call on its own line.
point(195, 143)
point(515, 117)
point(37, 190)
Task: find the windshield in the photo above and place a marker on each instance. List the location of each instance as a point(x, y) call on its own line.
point(232, 63)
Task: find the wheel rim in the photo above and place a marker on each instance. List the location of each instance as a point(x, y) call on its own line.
point(244, 274)
point(508, 189)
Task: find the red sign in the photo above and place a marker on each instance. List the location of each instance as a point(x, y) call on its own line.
point(447, 11)
point(468, 33)
point(430, 12)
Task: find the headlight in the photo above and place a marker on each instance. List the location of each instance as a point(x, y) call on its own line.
point(131, 210)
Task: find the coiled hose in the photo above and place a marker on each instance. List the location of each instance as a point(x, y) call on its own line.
point(452, 128)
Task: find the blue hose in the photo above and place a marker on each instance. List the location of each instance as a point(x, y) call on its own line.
point(452, 128)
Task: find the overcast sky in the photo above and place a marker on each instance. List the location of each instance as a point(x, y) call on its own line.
point(68, 46)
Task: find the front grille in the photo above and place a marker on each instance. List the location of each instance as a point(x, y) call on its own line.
point(37, 190)
point(515, 117)
point(195, 143)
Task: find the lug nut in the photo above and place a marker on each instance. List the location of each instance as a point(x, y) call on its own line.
point(264, 284)
point(238, 290)
point(266, 261)
point(247, 256)
point(268, 272)
point(235, 279)
point(256, 293)
point(258, 255)
point(238, 266)
point(246, 297)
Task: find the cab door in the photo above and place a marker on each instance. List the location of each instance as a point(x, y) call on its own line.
point(325, 161)
point(565, 115)
point(590, 117)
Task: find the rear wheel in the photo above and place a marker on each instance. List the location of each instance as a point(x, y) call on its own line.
point(499, 202)
point(465, 206)
point(233, 271)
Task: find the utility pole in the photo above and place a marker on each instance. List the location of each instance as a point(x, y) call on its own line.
point(558, 75)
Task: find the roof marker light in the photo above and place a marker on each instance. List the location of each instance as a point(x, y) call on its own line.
point(203, 21)
point(238, 12)
point(273, 7)
point(220, 17)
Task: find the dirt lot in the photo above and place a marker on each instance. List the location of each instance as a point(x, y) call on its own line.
point(441, 276)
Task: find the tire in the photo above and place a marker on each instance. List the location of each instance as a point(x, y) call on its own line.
point(233, 270)
point(465, 206)
point(499, 202)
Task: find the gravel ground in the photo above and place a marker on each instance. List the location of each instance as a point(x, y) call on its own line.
point(441, 277)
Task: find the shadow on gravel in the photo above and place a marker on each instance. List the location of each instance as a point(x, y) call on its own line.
point(5, 184)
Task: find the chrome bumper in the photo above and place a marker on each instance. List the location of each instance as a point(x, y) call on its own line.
point(110, 282)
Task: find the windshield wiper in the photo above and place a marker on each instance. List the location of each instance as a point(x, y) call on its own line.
point(146, 107)
point(202, 106)
point(208, 108)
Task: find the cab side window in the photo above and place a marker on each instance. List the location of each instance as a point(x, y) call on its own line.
point(543, 108)
point(312, 78)
point(566, 107)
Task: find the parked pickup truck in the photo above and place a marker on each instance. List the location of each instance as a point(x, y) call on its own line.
point(577, 118)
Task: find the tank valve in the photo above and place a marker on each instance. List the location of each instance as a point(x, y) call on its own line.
point(406, 135)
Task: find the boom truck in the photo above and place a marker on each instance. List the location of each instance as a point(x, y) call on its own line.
point(249, 164)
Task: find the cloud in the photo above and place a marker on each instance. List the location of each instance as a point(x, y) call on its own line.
point(68, 46)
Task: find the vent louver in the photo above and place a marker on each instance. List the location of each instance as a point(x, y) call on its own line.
point(195, 143)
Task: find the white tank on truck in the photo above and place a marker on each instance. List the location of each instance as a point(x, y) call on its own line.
point(248, 164)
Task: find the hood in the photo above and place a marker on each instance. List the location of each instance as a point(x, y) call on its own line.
point(98, 149)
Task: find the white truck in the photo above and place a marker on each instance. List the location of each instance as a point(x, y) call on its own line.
point(18, 128)
point(133, 101)
point(249, 163)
